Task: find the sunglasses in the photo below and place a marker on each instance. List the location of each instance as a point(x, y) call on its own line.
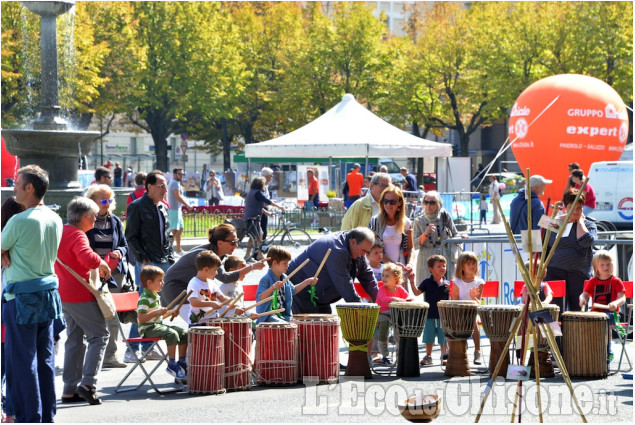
point(234, 242)
point(161, 186)
point(106, 201)
point(429, 202)
point(391, 201)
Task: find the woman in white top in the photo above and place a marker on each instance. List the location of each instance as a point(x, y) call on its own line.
point(213, 189)
point(394, 229)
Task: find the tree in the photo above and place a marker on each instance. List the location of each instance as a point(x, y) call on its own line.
point(20, 64)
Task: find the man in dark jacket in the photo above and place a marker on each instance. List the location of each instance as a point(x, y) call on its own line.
point(518, 206)
point(346, 263)
point(148, 234)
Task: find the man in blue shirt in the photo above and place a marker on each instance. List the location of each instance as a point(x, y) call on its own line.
point(346, 263)
point(518, 206)
point(31, 302)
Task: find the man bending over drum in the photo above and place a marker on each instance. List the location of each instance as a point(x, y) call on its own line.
point(346, 263)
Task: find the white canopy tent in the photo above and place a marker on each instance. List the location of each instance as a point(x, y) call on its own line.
point(348, 130)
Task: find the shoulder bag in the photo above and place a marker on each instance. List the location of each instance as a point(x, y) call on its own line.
point(100, 292)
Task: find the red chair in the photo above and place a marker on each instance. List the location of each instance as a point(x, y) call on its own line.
point(362, 293)
point(127, 301)
point(518, 287)
point(491, 289)
point(250, 292)
point(558, 287)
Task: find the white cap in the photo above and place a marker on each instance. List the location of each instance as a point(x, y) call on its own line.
point(538, 179)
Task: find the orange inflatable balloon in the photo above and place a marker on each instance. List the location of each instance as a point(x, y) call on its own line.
point(563, 119)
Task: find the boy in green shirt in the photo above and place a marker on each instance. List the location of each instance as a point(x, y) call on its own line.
point(150, 318)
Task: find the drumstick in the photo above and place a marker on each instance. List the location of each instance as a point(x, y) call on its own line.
point(270, 312)
point(174, 301)
point(601, 306)
point(295, 271)
point(232, 304)
point(322, 263)
point(176, 311)
point(259, 302)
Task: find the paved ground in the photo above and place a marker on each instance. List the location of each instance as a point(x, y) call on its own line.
point(606, 400)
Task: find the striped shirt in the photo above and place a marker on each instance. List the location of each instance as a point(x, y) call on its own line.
point(103, 235)
point(148, 302)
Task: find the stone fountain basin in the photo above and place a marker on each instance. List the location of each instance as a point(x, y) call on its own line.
point(48, 143)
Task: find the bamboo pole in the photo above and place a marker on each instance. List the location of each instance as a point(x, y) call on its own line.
point(537, 370)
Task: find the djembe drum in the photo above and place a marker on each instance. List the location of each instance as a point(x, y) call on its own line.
point(585, 338)
point(237, 339)
point(358, 322)
point(276, 353)
point(408, 320)
point(497, 320)
point(205, 360)
point(318, 346)
point(545, 366)
point(457, 321)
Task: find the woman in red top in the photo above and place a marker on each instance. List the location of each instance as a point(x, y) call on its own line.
point(83, 316)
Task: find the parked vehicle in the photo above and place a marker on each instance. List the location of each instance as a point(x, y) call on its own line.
point(612, 182)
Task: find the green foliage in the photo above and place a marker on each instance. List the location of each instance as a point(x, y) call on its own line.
point(267, 68)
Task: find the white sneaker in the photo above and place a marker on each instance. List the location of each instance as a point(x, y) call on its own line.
point(154, 355)
point(130, 358)
point(477, 357)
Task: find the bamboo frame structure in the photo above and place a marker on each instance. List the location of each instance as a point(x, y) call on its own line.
point(531, 278)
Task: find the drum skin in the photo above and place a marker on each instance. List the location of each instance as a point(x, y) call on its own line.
point(408, 320)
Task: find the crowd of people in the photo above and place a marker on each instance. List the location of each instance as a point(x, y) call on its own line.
point(46, 264)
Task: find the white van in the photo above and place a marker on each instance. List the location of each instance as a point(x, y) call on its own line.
point(612, 182)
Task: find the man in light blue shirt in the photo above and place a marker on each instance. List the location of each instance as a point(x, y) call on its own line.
point(31, 301)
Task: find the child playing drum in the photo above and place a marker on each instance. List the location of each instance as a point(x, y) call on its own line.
point(271, 283)
point(150, 317)
point(468, 286)
point(204, 301)
point(391, 277)
point(232, 289)
point(436, 288)
point(607, 290)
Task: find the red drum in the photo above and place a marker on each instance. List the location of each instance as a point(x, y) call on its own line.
point(276, 353)
point(318, 346)
point(238, 337)
point(205, 365)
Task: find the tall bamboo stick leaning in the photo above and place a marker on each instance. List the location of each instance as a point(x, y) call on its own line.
point(533, 295)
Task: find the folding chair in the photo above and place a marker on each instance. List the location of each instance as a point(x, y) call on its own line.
point(491, 289)
point(559, 290)
point(128, 302)
point(628, 293)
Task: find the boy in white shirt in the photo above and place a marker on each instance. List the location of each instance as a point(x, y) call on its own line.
point(206, 298)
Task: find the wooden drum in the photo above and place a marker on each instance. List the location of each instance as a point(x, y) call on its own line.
point(457, 321)
point(358, 322)
point(205, 364)
point(497, 320)
point(544, 359)
point(585, 338)
point(237, 340)
point(276, 353)
point(318, 346)
point(408, 320)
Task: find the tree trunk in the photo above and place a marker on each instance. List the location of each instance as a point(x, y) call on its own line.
point(226, 147)
point(161, 152)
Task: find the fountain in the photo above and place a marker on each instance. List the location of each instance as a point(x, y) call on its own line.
point(50, 143)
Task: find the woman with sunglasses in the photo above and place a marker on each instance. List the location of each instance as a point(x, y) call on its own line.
point(223, 240)
point(107, 239)
point(430, 229)
point(394, 229)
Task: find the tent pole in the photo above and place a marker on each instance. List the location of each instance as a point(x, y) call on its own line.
point(367, 151)
point(331, 186)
